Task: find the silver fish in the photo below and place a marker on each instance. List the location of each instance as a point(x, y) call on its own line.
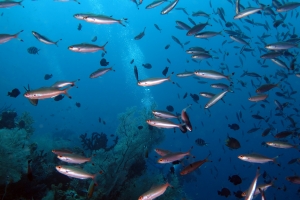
point(7, 37)
point(102, 19)
point(100, 72)
point(246, 12)
point(87, 48)
point(215, 99)
point(44, 39)
point(9, 3)
point(169, 7)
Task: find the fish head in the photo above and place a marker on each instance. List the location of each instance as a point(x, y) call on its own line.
point(183, 172)
point(242, 157)
point(59, 168)
point(140, 83)
point(74, 48)
point(258, 91)
point(270, 46)
point(29, 95)
point(79, 16)
point(162, 161)
point(243, 194)
point(34, 33)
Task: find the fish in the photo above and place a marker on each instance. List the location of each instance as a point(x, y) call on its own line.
point(183, 25)
point(48, 76)
point(7, 37)
point(44, 39)
point(61, 151)
point(157, 27)
point(293, 179)
point(147, 65)
point(163, 123)
point(59, 97)
point(232, 143)
point(101, 72)
point(281, 46)
point(287, 7)
point(75, 172)
point(197, 28)
point(212, 74)
point(185, 118)
point(155, 4)
point(165, 71)
point(259, 97)
point(281, 144)
point(167, 46)
point(136, 73)
point(140, 127)
point(86, 48)
point(91, 189)
point(164, 114)
point(10, 3)
point(234, 126)
point(168, 60)
point(153, 81)
point(207, 34)
point(94, 39)
point(195, 97)
point(102, 19)
point(155, 191)
point(162, 152)
point(61, 84)
point(170, 108)
point(46, 92)
point(173, 156)
point(256, 158)
point(131, 61)
point(73, 158)
point(103, 62)
point(177, 41)
point(14, 93)
point(266, 87)
point(284, 134)
point(266, 132)
point(33, 50)
point(200, 142)
point(224, 192)
point(252, 187)
point(215, 99)
point(169, 7)
point(235, 179)
point(193, 166)
point(79, 27)
point(185, 74)
point(78, 104)
point(246, 12)
point(140, 35)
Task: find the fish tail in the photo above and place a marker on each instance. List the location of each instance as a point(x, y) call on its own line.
point(104, 47)
point(66, 92)
point(57, 42)
point(187, 107)
point(120, 22)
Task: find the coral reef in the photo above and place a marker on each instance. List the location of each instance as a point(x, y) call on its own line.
point(15, 152)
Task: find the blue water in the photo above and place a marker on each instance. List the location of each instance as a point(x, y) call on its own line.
point(112, 93)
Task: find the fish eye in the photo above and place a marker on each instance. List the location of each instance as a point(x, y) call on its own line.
point(160, 160)
point(71, 47)
point(242, 156)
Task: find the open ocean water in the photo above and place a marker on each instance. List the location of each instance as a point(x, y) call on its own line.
point(130, 167)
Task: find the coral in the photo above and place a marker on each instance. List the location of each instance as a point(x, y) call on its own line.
point(15, 152)
point(119, 164)
point(96, 141)
point(8, 119)
point(26, 117)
